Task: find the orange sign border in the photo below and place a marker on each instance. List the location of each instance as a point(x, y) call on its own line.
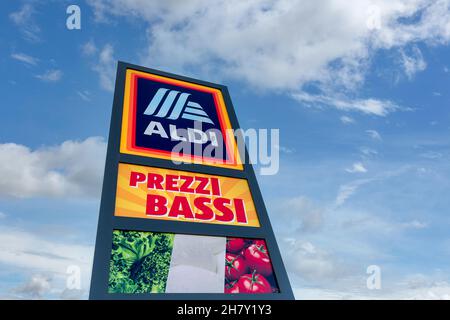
point(128, 128)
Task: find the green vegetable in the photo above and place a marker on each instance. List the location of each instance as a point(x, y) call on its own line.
point(139, 262)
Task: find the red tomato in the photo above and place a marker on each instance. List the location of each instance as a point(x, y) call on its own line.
point(257, 258)
point(260, 243)
point(235, 244)
point(235, 266)
point(254, 283)
point(232, 287)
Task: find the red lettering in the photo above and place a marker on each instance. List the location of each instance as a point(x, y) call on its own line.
point(186, 185)
point(156, 205)
point(136, 177)
point(171, 182)
point(155, 181)
point(201, 188)
point(180, 207)
point(227, 213)
point(206, 212)
point(239, 207)
point(215, 187)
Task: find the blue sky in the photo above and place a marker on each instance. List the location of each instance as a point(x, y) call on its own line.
point(358, 90)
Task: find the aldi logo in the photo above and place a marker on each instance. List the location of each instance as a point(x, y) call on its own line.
point(181, 107)
point(161, 113)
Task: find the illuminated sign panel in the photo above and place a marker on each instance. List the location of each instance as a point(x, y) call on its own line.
point(178, 263)
point(178, 222)
point(159, 113)
point(155, 193)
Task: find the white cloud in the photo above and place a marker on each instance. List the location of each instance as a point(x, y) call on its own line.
point(414, 224)
point(53, 75)
point(72, 294)
point(413, 63)
point(432, 155)
point(367, 106)
point(285, 44)
point(309, 262)
point(85, 95)
point(329, 260)
point(319, 294)
point(284, 149)
point(23, 18)
point(368, 152)
point(36, 287)
point(47, 261)
point(303, 214)
point(23, 15)
point(22, 57)
point(26, 250)
point(347, 120)
point(438, 291)
point(2, 215)
point(106, 67)
point(89, 48)
point(72, 169)
point(374, 134)
point(347, 190)
point(370, 223)
point(357, 167)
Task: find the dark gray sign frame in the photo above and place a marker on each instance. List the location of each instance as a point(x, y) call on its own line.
point(108, 222)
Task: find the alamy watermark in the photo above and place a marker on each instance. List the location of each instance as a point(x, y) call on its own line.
point(373, 281)
point(195, 145)
point(73, 280)
point(73, 21)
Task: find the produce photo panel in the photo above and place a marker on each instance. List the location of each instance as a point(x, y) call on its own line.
point(148, 262)
point(154, 262)
point(140, 262)
point(248, 268)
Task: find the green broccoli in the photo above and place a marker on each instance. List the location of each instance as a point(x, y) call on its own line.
point(140, 261)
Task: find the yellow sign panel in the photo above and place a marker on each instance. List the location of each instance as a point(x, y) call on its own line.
point(156, 193)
